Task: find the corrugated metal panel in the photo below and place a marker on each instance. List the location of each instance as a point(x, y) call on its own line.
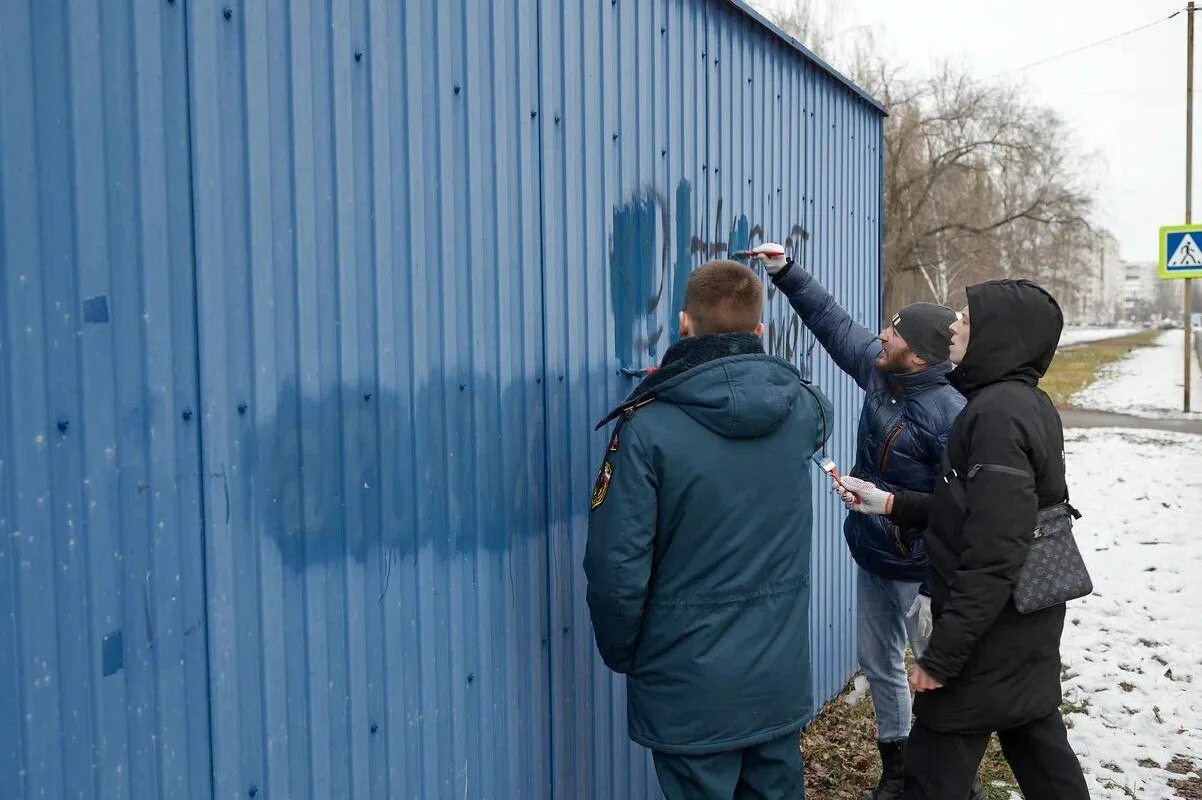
point(829, 73)
point(682, 131)
point(371, 271)
point(369, 287)
point(103, 686)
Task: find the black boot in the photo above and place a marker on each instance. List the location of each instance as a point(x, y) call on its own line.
point(893, 759)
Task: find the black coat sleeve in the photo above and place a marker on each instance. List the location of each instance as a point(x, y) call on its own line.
point(911, 509)
point(1001, 507)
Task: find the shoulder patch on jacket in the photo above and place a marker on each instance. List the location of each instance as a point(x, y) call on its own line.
point(601, 487)
point(605, 474)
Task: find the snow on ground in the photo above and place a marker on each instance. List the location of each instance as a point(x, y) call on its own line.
point(859, 688)
point(1078, 335)
point(1133, 650)
point(1146, 382)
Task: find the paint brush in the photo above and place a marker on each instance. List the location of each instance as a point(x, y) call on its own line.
point(827, 465)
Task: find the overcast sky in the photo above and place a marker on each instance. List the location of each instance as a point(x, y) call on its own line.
point(1125, 100)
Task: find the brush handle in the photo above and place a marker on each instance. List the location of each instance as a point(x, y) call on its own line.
point(854, 496)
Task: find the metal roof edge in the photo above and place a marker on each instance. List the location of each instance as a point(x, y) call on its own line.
point(756, 16)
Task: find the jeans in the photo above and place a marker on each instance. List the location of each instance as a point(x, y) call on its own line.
point(882, 629)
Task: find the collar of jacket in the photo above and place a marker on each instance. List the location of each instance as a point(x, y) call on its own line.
point(683, 357)
point(907, 383)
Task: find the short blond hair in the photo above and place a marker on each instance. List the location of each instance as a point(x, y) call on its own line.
point(723, 297)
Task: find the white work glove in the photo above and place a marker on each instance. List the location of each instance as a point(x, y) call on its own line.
point(872, 499)
point(772, 256)
point(921, 609)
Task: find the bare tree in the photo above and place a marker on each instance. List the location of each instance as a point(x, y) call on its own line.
point(811, 22)
point(979, 183)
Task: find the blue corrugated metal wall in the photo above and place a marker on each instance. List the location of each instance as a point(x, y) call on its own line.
point(680, 131)
point(308, 308)
point(103, 685)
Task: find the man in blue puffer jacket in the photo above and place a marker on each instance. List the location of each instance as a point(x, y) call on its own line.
point(909, 407)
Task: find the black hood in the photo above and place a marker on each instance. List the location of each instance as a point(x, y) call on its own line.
point(1015, 328)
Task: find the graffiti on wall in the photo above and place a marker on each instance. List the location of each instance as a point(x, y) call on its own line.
point(653, 248)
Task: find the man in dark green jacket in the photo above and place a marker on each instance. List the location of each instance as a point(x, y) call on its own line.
point(698, 568)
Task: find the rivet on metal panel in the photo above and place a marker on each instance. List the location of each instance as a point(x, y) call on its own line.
point(375, 728)
point(663, 153)
point(538, 380)
point(715, 62)
point(703, 55)
point(358, 56)
point(63, 424)
point(458, 88)
point(367, 397)
point(533, 114)
point(561, 379)
point(253, 791)
point(471, 678)
point(662, 31)
point(242, 408)
point(615, 137)
point(545, 641)
point(749, 79)
point(717, 170)
point(778, 95)
point(749, 181)
point(187, 415)
point(567, 628)
point(705, 167)
point(556, 119)
point(228, 13)
point(462, 387)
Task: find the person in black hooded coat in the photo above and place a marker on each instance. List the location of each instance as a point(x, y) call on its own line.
point(989, 668)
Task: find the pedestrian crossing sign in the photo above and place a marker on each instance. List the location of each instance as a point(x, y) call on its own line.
point(1181, 251)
